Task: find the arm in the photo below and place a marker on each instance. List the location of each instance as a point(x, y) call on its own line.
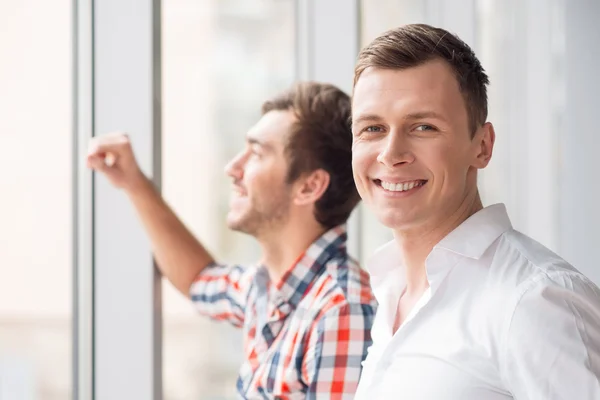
point(180, 257)
point(337, 346)
point(552, 347)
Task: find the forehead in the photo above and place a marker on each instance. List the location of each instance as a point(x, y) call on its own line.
point(431, 86)
point(272, 128)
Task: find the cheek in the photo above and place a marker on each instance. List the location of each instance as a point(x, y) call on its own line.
point(361, 162)
point(363, 157)
point(253, 176)
point(447, 164)
point(264, 177)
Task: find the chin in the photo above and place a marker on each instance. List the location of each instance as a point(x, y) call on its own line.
point(233, 220)
point(239, 224)
point(396, 219)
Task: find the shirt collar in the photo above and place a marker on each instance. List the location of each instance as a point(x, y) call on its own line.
point(297, 280)
point(474, 236)
point(470, 239)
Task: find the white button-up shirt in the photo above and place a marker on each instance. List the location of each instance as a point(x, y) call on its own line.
point(503, 318)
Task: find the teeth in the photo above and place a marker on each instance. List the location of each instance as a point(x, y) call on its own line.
point(400, 187)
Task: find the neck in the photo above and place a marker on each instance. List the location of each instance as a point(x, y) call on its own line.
point(416, 244)
point(282, 247)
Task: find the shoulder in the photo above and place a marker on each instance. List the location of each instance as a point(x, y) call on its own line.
point(520, 263)
point(538, 283)
point(345, 280)
point(343, 288)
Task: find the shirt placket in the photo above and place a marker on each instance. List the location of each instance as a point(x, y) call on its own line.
point(276, 312)
point(395, 342)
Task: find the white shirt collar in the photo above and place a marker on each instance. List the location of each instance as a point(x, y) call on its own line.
point(470, 239)
point(475, 235)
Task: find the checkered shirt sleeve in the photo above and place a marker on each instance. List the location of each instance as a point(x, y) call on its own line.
point(221, 292)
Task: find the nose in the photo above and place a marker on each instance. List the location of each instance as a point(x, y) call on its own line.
point(235, 167)
point(396, 151)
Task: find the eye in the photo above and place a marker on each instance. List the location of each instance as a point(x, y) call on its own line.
point(370, 130)
point(424, 127)
point(255, 151)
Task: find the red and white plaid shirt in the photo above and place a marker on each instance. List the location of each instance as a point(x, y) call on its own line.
point(305, 336)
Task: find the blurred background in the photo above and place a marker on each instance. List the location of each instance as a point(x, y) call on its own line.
point(218, 61)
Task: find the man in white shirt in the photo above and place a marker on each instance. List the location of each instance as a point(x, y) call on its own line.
point(469, 308)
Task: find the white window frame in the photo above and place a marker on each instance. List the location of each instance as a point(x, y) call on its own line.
point(328, 41)
point(118, 300)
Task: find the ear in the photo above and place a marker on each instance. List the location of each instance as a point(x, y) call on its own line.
point(311, 187)
point(483, 142)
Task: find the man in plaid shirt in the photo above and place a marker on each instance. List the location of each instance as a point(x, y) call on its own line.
point(307, 308)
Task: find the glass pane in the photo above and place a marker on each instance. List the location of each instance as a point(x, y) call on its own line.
point(527, 106)
point(221, 60)
point(36, 187)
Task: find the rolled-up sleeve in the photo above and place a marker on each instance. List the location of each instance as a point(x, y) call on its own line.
point(552, 346)
point(221, 292)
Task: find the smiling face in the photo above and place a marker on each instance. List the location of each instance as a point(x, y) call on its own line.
point(261, 196)
point(414, 156)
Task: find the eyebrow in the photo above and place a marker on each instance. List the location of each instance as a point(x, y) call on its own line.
point(367, 118)
point(425, 114)
point(416, 115)
point(254, 141)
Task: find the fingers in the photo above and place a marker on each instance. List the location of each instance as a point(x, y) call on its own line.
point(108, 148)
point(110, 159)
point(114, 143)
point(112, 155)
point(97, 163)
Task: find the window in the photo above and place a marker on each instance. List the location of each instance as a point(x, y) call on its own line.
point(221, 60)
point(36, 185)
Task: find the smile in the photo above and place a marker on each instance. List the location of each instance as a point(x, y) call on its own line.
point(400, 187)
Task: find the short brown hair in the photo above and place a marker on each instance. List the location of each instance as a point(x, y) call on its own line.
point(321, 138)
point(412, 45)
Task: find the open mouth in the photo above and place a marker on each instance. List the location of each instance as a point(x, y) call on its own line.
point(238, 191)
point(400, 187)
